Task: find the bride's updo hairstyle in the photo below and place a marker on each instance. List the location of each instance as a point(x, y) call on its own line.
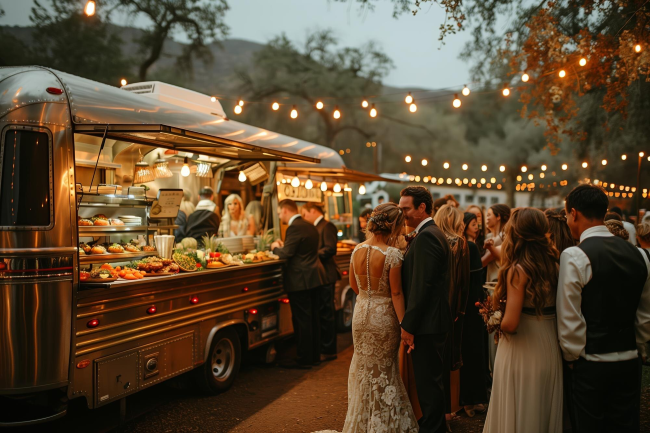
point(386, 219)
point(527, 243)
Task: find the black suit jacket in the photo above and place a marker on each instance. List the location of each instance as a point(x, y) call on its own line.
point(200, 223)
point(303, 270)
point(327, 250)
point(425, 282)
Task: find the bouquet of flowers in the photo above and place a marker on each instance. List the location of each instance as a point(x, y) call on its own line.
point(491, 317)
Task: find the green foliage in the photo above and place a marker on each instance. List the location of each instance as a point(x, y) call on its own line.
point(67, 40)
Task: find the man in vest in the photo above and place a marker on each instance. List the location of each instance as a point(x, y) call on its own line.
point(603, 313)
point(204, 220)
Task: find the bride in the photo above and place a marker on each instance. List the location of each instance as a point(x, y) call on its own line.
point(377, 399)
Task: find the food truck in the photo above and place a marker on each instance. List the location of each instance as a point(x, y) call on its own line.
point(94, 304)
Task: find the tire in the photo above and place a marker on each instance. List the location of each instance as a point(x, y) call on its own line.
point(218, 373)
point(344, 315)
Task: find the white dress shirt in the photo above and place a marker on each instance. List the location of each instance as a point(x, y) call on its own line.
point(318, 220)
point(417, 229)
point(293, 218)
point(575, 273)
point(631, 230)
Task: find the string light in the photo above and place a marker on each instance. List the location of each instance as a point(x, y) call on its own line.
point(641, 154)
point(89, 10)
point(242, 176)
point(445, 165)
point(309, 184)
point(185, 171)
point(484, 167)
point(637, 47)
point(623, 157)
point(585, 165)
point(323, 186)
point(238, 109)
point(320, 105)
point(493, 180)
point(294, 112)
point(456, 102)
point(562, 73)
point(336, 114)
point(295, 182)
point(275, 106)
point(465, 167)
point(525, 77)
point(407, 158)
point(603, 162)
point(424, 162)
point(524, 169)
point(502, 168)
point(542, 175)
point(413, 108)
point(409, 98)
point(506, 91)
point(582, 62)
point(337, 188)
point(362, 189)
point(123, 82)
point(564, 166)
point(364, 104)
point(373, 111)
point(465, 90)
point(241, 102)
point(531, 176)
point(213, 99)
point(544, 167)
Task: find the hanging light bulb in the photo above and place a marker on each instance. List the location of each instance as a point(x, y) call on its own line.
point(362, 189)
point(337, 113)
point(565, 166)
point(502, 168)
point(525, 77)
point(456, 102)
point(484, 167)
point(585, 165)
point(161, 168)
point(465, 167)
point(320, 105)
point(323, 186)
point(409, 98)
point(373, 111)
point(309, 184)
point(544, 167)
point(407, 158)
point(238, 109)
point(623, 157)
point(562, 73)
point(424, 162)
point(524, 169)
point(413, 108)
point(582, 62)
point(603, 162)
point(89, 10)
point(505, 91)
point(185, 171)
point(241, 103)
point(213, 99)
point(337, 187)
point(465, 90)
point(641, 154)
point(445, 165)
point(123, 82)
point(364, 104)
point(294, 112)
point(295, 182)
point(143, 172)
point(275, 106)
point(242, 176)
point(637, 48)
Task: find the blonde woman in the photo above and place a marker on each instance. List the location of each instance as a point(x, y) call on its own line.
point(235, 222)
point(451, 221)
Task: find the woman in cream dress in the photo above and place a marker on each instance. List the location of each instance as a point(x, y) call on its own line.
point(527, 377)
point(235, 222)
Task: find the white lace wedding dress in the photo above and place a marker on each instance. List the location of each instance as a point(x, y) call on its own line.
point(377, 399)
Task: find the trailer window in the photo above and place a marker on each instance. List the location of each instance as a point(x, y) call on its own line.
point(25, 179)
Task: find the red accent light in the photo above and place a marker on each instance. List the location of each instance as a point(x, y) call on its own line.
point(345, 273)
point(83, 364)
point(194, 300)
point(93, 323)
point(252, 311)
point(152, 310)
point(245, 289)
point(54, 90)
point(284, 300)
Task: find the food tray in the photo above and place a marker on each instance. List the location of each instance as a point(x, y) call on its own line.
point(100, 258)
point(99, 280)
point(159, 274)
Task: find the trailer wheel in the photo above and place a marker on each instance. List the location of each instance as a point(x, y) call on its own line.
point(219, 371)
point(344, 316)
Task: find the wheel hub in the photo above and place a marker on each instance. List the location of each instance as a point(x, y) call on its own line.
point(223, 359)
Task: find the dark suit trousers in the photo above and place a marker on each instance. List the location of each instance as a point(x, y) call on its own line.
point(606, 396)
point(305, 312)
point(327, 319)
point(428, 365)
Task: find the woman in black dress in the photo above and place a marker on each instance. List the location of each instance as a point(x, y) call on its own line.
point(473, 389)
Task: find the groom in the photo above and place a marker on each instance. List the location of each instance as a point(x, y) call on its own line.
point(425, 280)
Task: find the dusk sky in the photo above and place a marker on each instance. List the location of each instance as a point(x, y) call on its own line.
point(411, 41)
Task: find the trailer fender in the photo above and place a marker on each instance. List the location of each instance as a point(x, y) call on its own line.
point(344, 293)
point(238, 323)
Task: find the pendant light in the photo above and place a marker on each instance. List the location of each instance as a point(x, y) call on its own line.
point(323, 186)
point(295, 182)
point(143, 172)
point(362, 189)
point(185, 171)
point(309, 184)
point(242, 176)
point(161, 168)
point(204, 169)
point(337, 187)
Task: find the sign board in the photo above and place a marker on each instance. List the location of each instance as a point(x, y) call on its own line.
point(285, 190)
point(167, 203)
